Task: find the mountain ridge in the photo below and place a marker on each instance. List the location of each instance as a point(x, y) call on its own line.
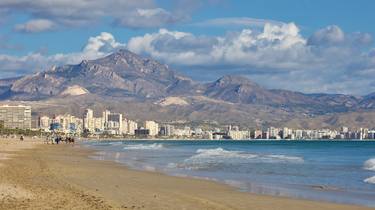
point(126, 76)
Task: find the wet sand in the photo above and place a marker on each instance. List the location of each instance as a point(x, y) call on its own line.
point(39, 176)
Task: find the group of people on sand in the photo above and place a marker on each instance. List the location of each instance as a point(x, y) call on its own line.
point(57, 139)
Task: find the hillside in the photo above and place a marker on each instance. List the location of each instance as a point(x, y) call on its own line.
point(146, 89)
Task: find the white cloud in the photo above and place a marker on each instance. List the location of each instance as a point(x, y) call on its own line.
point(237, 21)
point(330, 35)
point(102, 44)
point(96, 47)
point(245, 47)
point(127, 13)
point(35, 26)
point(277, 56)
point(148, 18)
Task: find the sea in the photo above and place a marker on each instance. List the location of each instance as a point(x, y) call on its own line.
point(332, 171)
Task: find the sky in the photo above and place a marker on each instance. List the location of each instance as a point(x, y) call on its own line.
point(312, 46)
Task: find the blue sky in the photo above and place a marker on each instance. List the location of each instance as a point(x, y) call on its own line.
point(302, 45)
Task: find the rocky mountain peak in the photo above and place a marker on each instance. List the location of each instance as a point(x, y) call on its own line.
point(234, 80)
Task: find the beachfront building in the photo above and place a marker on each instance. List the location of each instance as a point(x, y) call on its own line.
point(105, 115)
point(68, 123)
point(258, 134)
point(273, 133)
point(129, 126)
point(114, 124)
point(98, 124)
point(152, 126)
point(239, 135)
point(371, 134)
point(44, 123)
point(15, 116)
point(88, 120)
point(184, 132)
point(167, 130)
point(132, 126)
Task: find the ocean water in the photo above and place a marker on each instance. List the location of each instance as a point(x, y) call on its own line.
point(335, 171)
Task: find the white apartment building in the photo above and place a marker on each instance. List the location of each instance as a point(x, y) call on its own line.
point(44, 123)
point(88, 120)
point(152, 126)
point(15, 116)
point(239, 135)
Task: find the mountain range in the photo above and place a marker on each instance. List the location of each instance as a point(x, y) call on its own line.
point(146, 89)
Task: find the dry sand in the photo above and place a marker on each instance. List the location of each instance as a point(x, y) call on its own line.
point(63, 177)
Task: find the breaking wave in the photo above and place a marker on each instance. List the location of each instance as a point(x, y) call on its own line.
point(369, 164)
point(154, 146)
point(370, 180)
point(208, 158)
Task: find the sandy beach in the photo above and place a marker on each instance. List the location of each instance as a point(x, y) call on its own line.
point(39, 176)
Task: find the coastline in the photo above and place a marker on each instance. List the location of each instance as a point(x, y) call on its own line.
point(64, 177)
point(193, 139)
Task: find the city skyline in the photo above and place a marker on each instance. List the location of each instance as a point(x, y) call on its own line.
point(119, 126)
point(309, 46)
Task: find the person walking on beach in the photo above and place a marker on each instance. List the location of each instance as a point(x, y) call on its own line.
point(21, 138)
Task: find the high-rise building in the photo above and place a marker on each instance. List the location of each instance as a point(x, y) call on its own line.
point(131, 127)
point(98, 124)
point(114, 123)
point(15, 116)
point(153, 127)
point(167, 130)
point(239, 135)
point(258, 134)
point(68, 123)
point(44, 123)
point(88, 120)
point(105, 115)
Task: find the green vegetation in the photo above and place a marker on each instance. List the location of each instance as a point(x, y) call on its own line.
point(16, 131)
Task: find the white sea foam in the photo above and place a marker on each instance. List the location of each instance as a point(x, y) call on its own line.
point(154, 146)
point(369, 164)
point(370, 180)
point(209, 158)
point(115, 143)
point(222, 153)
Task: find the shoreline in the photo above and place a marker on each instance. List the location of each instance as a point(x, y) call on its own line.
point(236, 185)
point(64, 176)
point(229, 140)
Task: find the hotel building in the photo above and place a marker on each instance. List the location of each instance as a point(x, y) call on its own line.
point(15, 116)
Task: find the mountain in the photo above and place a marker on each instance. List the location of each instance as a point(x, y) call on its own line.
point(368, 102)
point(239, 89)
point(120, 74)
point(146, 89)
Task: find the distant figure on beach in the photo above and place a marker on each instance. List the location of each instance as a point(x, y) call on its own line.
point(57, 139)
point(21, 138)
point(69, 140)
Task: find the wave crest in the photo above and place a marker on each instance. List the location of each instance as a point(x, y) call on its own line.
point(370, 180)
point(369, 164)
point(211, 158)
point(154, 146)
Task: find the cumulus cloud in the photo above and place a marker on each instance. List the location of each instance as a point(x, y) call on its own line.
point(100, 45)
point(266, 49)
point(334, 36)
point(34, 26)
point(96, 47)
point(330, 35)
point(277, 56)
